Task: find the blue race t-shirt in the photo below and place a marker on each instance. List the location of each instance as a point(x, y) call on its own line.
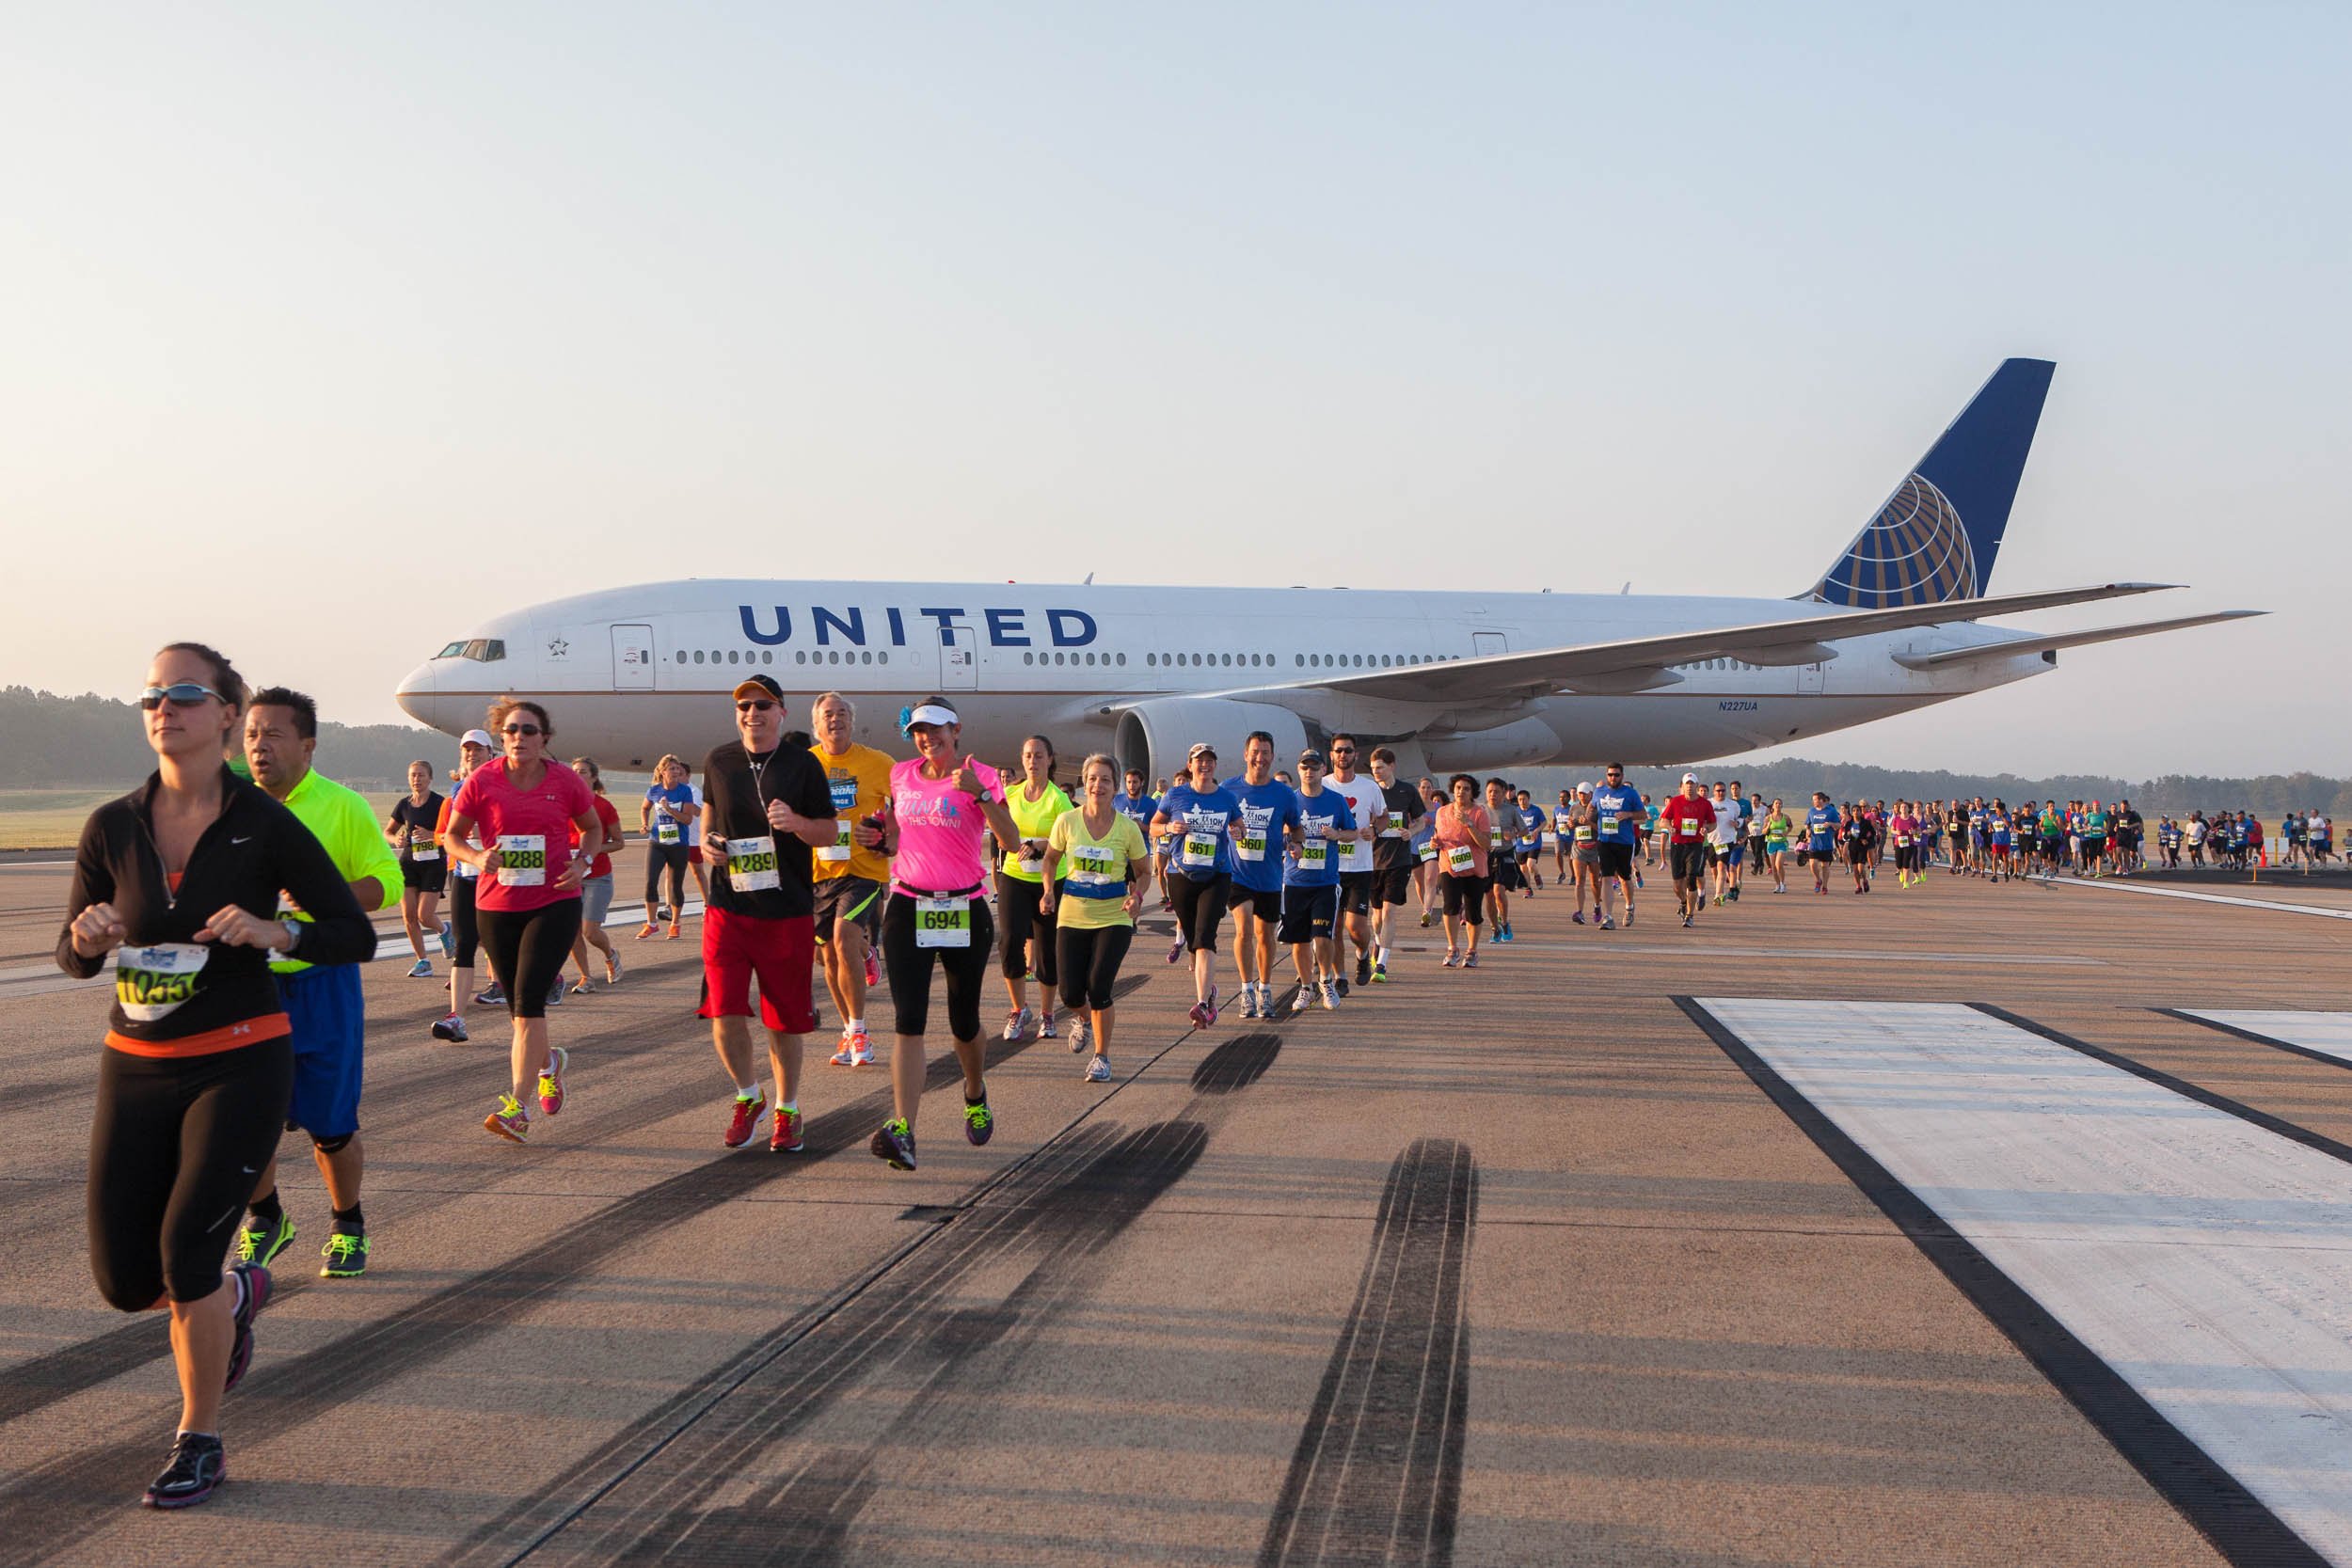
point(1200, 849)
point(1620, 808)
point(1820, 827)
point(1139, 809)
point(670, 827)
point(1258, 839)
point(1318, 861)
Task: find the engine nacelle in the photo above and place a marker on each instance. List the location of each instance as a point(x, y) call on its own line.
point(1522, 743)
point(1157, 736)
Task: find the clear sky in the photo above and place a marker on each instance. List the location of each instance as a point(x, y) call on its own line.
point(329, 330)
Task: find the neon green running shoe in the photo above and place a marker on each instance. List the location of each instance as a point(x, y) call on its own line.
point(258, 1242)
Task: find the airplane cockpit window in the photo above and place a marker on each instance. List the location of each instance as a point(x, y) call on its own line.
point(454, 650)
point(481, 650)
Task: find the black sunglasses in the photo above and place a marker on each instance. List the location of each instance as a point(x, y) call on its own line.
point(179, 695)
point(522, 729)
point(757, 704)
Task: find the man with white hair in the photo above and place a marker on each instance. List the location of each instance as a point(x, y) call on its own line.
point(852, 871)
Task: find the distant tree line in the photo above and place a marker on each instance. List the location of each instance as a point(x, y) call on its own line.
point(92, 742)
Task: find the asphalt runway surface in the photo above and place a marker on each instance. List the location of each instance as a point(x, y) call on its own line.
point(1964, 1225)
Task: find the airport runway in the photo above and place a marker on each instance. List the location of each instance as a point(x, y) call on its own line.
point(1972, 1225)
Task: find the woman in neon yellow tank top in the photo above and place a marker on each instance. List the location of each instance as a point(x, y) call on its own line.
point(1037, 802)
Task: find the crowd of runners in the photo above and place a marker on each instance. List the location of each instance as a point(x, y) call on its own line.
point(233, 892)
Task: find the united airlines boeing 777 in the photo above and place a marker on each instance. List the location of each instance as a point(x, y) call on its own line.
point(1454, 681)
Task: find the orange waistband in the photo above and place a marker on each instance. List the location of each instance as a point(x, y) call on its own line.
point(229, 1037)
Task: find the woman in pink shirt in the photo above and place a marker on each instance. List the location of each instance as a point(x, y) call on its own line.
point(1460, 836)
point(941, 809)
point(527, 902)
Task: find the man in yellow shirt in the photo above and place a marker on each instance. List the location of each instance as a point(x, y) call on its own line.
point(853, 872)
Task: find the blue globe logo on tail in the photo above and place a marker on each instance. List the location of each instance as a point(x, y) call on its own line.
point(1915, 551)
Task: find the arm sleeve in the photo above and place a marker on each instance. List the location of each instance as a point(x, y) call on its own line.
point(338, 932)
point(93, 883)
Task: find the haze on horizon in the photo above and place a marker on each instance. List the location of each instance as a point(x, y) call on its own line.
point(332, 332)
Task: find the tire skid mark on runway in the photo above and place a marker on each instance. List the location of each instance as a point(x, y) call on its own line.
point(1378, 1473)
point(56, 1502)
point(2239, 1525)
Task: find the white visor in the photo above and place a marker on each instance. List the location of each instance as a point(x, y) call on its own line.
point(929, 713)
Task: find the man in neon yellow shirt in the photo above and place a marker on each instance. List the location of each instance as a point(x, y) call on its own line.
point(282, 730)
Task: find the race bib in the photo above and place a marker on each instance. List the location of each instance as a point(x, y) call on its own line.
point(665, 831)
point(943, 923)
point(1902, 840)
point(1686, 826)
point(1429, 852)
point(522, 860)
point(1250, 844)
point(1609, 822)
point(1494, 840)
point(150, 983)
point(1093, 860)
point(1029, 864)
point(1460, 860)
point(1200, 849)
point(752, 864)
point(422, 846)
point(1585, 835)
point(1314, 855)
point(839, 850)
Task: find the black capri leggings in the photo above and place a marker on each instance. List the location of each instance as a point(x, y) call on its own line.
point(172, 1153)
point(910, 969)
point(1465, 897)
point(1199, 908)
point(1089, 964)
point(673, 859)
point(1017, 900)
point(462, 921)
point(528, 950)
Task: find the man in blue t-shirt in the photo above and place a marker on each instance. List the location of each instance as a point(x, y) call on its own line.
point(1821, 838)
point(1622, 816)
point(1139, 806)
point(1266, 825)
point(1310, 883)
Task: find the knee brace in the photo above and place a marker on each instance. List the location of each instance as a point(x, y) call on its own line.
point(333, 1145)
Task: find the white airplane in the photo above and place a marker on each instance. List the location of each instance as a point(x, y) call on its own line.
point(1454, 681)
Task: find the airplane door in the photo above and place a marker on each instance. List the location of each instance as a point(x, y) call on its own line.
point(1809, 679)
point(632, 659)
point(1485, 642)
point(959, 658)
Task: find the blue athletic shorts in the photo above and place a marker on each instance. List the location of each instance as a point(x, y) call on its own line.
point(329, 1034)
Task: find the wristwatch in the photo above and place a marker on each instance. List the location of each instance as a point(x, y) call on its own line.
point(293, 936)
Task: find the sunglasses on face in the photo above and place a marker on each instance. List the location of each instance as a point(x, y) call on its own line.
point(1343, 750)
point(757, 704)
point(179, 695)
point(522, 729)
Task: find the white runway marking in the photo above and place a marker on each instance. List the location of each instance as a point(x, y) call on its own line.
point(2323, 1034)
point(2205, 1261)
point(2122, 885)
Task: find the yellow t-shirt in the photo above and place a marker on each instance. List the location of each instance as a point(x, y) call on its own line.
point(1096, 872)
point(1035, 819)
point(860, 781)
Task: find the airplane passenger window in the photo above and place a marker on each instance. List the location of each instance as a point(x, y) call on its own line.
point(866, 655)
point(698, 656)
point(767, 655)
point(681, 656)
point(1122, 658)
point(1151, 659)
point(1300, 659)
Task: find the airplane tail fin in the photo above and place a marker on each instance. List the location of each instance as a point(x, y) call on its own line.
point(1935, 537)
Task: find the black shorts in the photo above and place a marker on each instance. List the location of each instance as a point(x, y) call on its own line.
point(1857, 852)
point(1265, 903)
point(424, 876)
point(1465, 899)
point(1688, 860)
point(1356, 891)
point(1309, 912)
point(1392, 885)
point(855, 899)
point(1505, 868)
point(1615, 859)
point(1199, 908)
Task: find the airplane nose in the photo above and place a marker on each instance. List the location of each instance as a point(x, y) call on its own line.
point(415, 694)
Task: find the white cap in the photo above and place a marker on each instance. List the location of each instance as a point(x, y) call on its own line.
point(1690, 778)
point(477, 737)
point(1583, 789)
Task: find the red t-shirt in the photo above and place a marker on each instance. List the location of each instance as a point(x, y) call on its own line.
point(1687, 821)
point(531, 829)
point(610, 814)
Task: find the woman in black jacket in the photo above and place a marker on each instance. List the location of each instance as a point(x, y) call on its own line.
point(179, 880)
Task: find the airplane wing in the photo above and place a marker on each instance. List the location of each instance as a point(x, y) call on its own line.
point(1641, 663)
point(2066, 639)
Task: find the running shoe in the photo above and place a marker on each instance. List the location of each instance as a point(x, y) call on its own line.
point(1609, 924)
point(1046, 1025)
point(1331, 996)
point(1686, 922)
point(873, 971)
point(1734, 893)
point(1176, 950)
point(673, 931)
point(785, 1136)
point(421, 970)
point(842, 1057)
point(261, 1241)
point(581, 987)
point(492, 995)
point(1078, 1033)
point(1303, 997)
point(744, 1119)
point(1363, 970)
point(895, 1143)
point(451, 1028)
point(646, 930)
point(195, 1471)
point(612, 969)
point(1017, 1023)
point(551, 1080)
point(508, 1120)
point(1200, 1015)
point(1380, 972)
point(448, 941)
point(979, 1125)
point(1470, 961)
point(555, 996)
point(1250, 999)
point(1099, 1070)
point(1341, 982)
point(1211, 1005)
point(1628, 916)
point(346, 1256)
point(1453, 959)
point(252, 1284)
point(1578, 918)
point(861, 1049)
point(1424, 920)
point(662, 914)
